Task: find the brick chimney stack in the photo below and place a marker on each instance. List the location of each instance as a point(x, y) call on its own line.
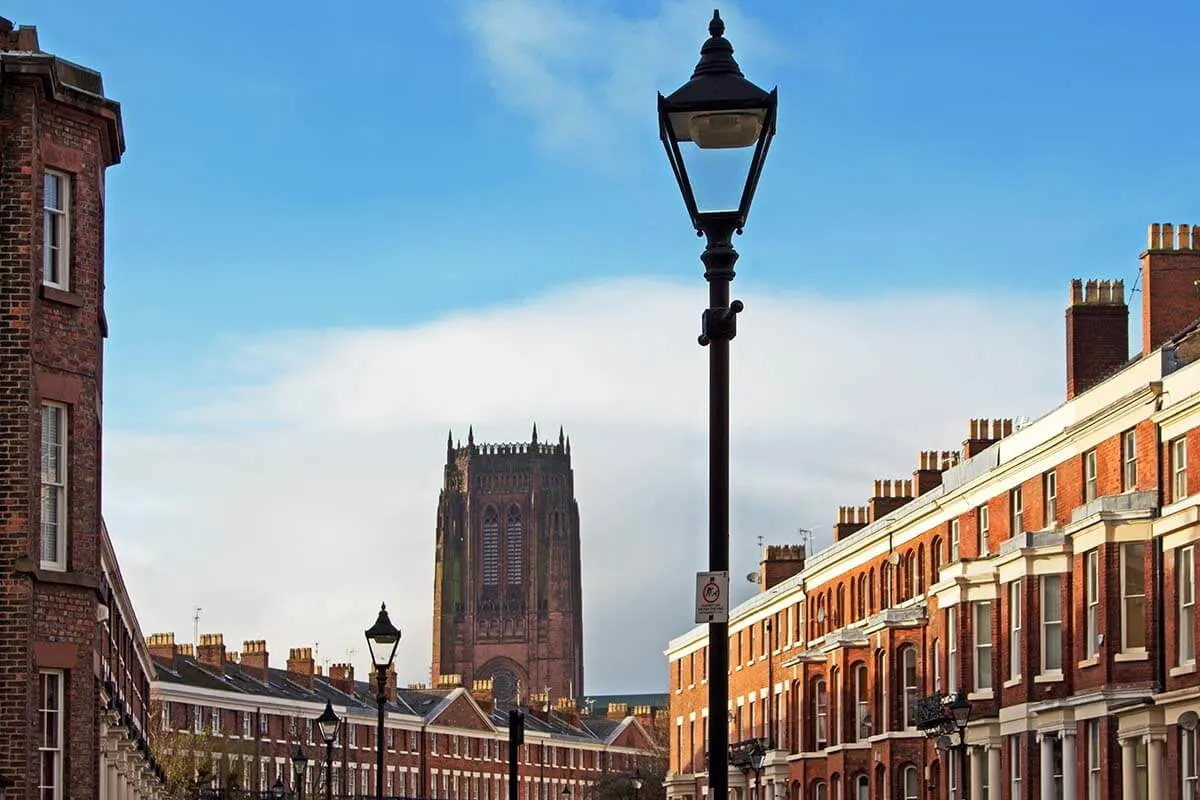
point(211, 651)
point(983, 433)
point(618, 710)
point(779, 562)
point(255, 658)
point(341, 677)
point(301, 666)
point(1097, 333)
point(162, 646)
point(483, 692)
point(851, 519)
point(1170, 293)
point(930, 466)
point(889, 495)
point(389, 687)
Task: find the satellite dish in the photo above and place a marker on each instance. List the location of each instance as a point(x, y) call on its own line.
point(893, 558)
point(754, 577)
point(821, 614)
point(1188, 720)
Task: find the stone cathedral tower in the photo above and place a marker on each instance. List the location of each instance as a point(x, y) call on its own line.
point(507, 593)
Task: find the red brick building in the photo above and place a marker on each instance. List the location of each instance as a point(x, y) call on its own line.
point(508, 600)
point(239, 721)
point(1046, 569)
point(74, 682)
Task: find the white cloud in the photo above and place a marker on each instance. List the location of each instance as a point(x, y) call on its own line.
point(289, 503)
point(583, 73)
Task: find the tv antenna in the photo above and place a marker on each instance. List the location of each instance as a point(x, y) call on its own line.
point(805, 535)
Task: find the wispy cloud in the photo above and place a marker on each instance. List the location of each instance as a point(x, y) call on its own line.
point(291, 503)
point(585, 74)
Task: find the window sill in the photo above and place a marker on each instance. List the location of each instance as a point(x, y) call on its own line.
point(27, 566)
point(1088, 662)
point(1049, 677)
point(1185, 669)
point(63, 296)
point(1133, 655)
point(983, 694)
point(1011, 682)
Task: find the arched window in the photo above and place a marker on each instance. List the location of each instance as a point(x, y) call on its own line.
point(491, 547)
point(937, 665)
point(862, 707)
point(910, 783)
point(821, 713)
point(920, 569)
point(908, 679)
point(836, 785)
point(818, 791)
point(839, 619)
point(862, 788)
point(885, 586)
point(871, 592)
point(935, 559)
point(514, 547)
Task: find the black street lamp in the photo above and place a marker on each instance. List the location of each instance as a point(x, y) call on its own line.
point(382, 638)
point(710, 118)
point(299, 765)
point(277, 790)
point(941, 715)
point(329, 723)
point(637, 787)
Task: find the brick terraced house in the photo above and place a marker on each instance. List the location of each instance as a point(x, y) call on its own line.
point(1047, 570)
point(75, 681)
point(238, 721)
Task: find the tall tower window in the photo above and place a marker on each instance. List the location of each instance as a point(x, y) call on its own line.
point(491, 547)
point(514, 546)
point(55, 230)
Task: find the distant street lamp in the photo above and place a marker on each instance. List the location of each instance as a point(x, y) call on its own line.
point(299, 765)
point(277, 790)
point(712, 117)
point(382, 638)
point(329, 723)
point(637, 787)
point(566, 793)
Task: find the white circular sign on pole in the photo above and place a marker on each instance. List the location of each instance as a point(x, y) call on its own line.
point(712, 597)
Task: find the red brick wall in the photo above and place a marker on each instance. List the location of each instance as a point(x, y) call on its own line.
point(50, 350)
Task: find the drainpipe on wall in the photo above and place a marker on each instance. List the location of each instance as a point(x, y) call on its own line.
point(1157, 555)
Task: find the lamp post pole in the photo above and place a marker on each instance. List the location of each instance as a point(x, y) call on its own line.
point(383, 637)
point(329, 722)
point(716, 111)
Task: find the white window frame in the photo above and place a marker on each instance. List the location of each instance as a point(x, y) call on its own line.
point(1093, 759)
point(910, 783)
point(1016, 506)
point(1179, 469)
point(981, 611)
point(983, 526)
point(1189, 774)
point(1050, 489)
point(1185, 587)
point(819, 791)
point(1091, 486)
point(56, 484)
point(1015, 645)
point(214, 714)
point(1091, 603)
point(862, 703)
point(909, 689)
point(955, 541)
point(1133, 597)
point(951, 649)
point(1129, 460)
point(52, 745)
point(165, 715)
point(937, 665)
point(821, 715)
point(1014, 765)
point(1052, 627)
point(862, 788)
point(197, 719)
point(57, 220)
point(248, 726)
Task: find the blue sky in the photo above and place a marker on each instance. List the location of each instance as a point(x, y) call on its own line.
point(310, 164)
point(300, 167)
